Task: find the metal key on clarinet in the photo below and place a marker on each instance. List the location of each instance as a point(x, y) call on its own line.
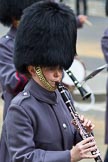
point(84, 134)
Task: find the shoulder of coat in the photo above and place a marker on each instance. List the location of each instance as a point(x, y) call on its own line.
point(25, 95)
point(21, 97)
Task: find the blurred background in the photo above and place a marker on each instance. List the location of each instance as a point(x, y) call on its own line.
point(90, 53)
point(90, 57)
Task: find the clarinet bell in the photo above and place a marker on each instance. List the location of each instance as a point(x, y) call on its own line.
point(84, 93)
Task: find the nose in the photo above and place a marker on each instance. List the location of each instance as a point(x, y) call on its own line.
point(58, 73)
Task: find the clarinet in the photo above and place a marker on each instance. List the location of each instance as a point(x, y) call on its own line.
point(84, 134)
point(82, 91)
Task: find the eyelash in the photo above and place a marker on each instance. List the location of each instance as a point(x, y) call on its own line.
point(53, 68)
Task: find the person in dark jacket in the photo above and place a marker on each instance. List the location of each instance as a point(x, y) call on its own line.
point(38, 126)
point(104, 45)
point(12, 82)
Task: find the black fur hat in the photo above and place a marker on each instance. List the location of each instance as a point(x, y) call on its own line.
point(10, 9)
point(46, 36)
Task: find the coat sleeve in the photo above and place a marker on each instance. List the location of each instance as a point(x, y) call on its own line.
point(104, 44)
point(20, 140)
point(11, 80)
point(79, 24)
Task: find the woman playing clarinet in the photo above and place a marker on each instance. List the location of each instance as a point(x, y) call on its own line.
point(38, 126)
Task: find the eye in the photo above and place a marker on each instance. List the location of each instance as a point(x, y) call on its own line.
point(61, 68)
point(52, 68)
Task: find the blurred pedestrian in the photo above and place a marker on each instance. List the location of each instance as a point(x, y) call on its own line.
point(81, 4)
point(38, 126)
point(12, 82)
point(81, 19)
point(104, 45)
point(106, 7)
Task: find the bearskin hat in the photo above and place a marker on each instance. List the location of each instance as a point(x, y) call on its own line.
point(46, 36)
point(10, 9)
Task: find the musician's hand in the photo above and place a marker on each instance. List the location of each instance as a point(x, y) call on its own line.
point(82, 19)
point(83, 149)
point(87, 124)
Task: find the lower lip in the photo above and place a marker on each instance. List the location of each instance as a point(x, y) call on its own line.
point(53, 84)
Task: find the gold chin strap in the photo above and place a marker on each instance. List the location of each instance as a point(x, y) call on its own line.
point(43, 79)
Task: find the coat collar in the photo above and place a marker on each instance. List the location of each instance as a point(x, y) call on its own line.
point(42, 94)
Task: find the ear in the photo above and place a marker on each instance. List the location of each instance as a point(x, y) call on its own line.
point(31, 70)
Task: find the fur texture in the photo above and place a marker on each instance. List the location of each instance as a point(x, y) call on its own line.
point(46, 37)
point(10, 9)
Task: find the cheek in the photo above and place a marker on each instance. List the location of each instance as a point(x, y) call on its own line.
point(48, 76)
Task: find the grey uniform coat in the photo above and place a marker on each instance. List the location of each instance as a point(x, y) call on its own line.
point(38, 128)
point(104, 44)
point(11, 81)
